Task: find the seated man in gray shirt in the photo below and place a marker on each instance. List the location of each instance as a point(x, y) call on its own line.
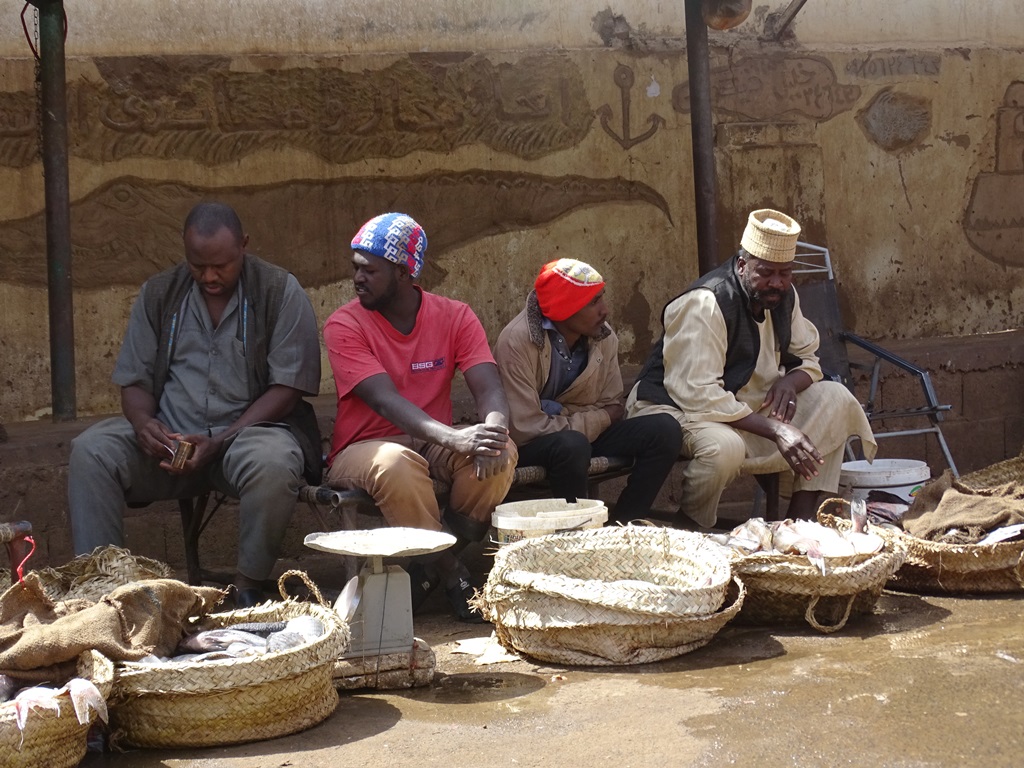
point(219, 352)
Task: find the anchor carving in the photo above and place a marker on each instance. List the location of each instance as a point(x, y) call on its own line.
point(623, 78)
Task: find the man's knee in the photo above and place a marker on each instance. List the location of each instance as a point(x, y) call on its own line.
point(100, 448)
point(721, 448)
point(378, 464)
point(264, 457)
point(665, 434)
point(568, 450)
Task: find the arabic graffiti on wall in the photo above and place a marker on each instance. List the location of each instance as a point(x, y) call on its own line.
point(895, 64)
point(772, 87)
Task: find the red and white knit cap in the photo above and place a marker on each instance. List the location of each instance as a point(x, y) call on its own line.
point(565, 286)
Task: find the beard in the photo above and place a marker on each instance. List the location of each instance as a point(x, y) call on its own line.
point(767, 299)
point(375, 302)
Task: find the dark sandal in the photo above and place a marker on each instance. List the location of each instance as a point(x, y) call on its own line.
point(459, 596)
point(422, 581)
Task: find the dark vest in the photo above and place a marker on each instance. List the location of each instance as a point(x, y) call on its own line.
point(264, 290)
point(743, 342)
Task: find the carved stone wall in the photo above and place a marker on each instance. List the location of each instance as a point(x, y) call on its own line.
point(907, 162)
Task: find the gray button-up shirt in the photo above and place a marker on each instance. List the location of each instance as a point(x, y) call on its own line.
point(207, 387)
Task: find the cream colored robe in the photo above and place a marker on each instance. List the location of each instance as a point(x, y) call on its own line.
point(695, 348)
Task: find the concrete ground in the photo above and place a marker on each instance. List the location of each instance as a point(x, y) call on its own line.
point(924, 681)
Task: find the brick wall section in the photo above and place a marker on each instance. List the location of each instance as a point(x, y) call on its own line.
point(982, 377)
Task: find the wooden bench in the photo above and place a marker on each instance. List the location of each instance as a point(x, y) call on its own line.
point(342, 510)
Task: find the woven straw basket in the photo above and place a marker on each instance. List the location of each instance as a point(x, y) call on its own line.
point(50, 739)
point(98, 573)
point(231, 701)
point(785, 589)
point(964, 568)
point(615, 595)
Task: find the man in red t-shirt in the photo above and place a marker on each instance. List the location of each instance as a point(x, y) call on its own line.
point(394, 350)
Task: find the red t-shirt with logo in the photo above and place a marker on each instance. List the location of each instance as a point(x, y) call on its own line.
point(360, 343)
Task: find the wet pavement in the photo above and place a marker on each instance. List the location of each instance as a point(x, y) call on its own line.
point(924, 681)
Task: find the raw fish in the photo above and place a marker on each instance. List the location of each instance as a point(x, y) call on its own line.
point(219, 640)
point(85, 696)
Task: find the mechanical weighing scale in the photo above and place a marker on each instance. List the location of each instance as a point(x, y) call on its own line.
point(377, 602)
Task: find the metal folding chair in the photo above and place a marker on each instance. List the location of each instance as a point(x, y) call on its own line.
point(815, 283)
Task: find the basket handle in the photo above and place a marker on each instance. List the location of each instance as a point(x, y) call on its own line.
point(1018, 570)
point(826, 628)
point(309, 585)
point(834, 500)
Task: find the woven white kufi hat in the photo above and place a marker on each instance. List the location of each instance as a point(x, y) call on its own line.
point(770, 235)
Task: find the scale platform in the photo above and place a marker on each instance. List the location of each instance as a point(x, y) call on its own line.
point(377, 601)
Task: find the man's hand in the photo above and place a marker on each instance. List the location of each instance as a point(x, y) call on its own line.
point(155, 439)
point(616, 411)
point(480, 440)
point(207, 450)
point(780, 401)
point(798, 451)
point(489, 466)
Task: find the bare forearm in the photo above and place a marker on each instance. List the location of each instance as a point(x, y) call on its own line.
point(484, 384)
point(137, 405)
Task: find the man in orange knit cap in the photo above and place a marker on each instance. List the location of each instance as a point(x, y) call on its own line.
point(559, 365)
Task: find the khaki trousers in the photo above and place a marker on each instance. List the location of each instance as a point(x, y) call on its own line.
point(397, 473)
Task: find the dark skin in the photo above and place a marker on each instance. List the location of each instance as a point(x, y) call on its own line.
point(216, 265)
point(766, 283)
point(388, 288)
point(589, 321)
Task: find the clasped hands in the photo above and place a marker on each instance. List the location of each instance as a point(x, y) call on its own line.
point(488, 444)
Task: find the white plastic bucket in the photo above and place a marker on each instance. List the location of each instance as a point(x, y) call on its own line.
point(900, 477)
point(537, 517)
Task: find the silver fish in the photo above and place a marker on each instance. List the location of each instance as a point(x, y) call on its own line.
point(219, 640)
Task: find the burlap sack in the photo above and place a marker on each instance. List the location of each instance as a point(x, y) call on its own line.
point(945, 503)
point(129, 623)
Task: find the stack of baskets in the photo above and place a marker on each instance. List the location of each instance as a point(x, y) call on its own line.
point(231, 701)
point(54, 739)
point(789, 588)
point(614, 595)
point(965, 568)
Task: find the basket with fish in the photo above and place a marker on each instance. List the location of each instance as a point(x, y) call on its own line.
point(240, 676)
point(615, 595)
point(963, 535)
point(44, 725)
point(798, 570)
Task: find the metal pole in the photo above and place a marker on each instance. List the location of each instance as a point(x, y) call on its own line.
point(58, 208)
point(699, 68)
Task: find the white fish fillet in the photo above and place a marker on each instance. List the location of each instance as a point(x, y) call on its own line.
point(37, 697)
point(85, 696)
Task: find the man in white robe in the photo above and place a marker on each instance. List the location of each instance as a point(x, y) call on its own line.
point(737, 367)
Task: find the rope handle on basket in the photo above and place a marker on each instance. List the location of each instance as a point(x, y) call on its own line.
point(306, 580)
point(834, 500)
point(825, 627)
